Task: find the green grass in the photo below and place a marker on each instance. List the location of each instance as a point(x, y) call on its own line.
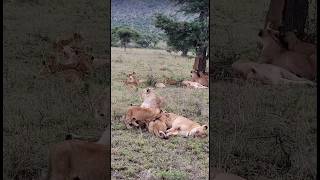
point(257, 130)
point(139, 154)
point(39, 112)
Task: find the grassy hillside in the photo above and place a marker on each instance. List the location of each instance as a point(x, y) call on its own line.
point(139, 14)
point(257, 130)
point(39, 112)
point(137, 154)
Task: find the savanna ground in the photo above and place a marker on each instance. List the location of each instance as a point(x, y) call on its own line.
point(39, 112)
point(257, 130)
point(137, 154)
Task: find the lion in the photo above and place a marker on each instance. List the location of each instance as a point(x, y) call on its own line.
point(159, 85)
point(295, 44)
point(151, 99)
point(132, 80)
point(191, 84)
point(179, 125)
point(76, 159)
point(274, 53)
point(64, 41)
point(169, 81)
point(267, 73)
point(158, 127)
point(200, 78)
point(139, 116)
point(69, 71)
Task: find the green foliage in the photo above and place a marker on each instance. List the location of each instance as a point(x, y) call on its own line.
point(114, 36)
point(126, 35)
point(147, 41)
point(186, 35)
point(194, 7)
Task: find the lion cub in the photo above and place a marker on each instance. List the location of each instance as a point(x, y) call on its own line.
point(139, 116)
point(151, 99)
point(180, 125)
point(158, 127)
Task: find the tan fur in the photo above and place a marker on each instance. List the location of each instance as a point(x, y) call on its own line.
point(267, 73)
point(66, 40)
point(132, 80)
point(200, 78)
point(275, 13)
point(180, 125)
point(151, 99)
point(295, 44)
point(158, 127)
point(139, 116)
point(83, 160)
point(69, 71)
point(160, 85)
point(274, 53)
point(191, 84)
point(170, 81)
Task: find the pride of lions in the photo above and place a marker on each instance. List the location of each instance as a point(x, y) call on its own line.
point(76, 63)
point(199, 80)
point(158, 122)
point(279, 63)
point(75, 158)
point(292, 62)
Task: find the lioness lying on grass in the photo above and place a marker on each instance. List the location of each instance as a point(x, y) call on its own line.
point(274, 52)
point(200, 78)
point(179, 125)
point(267, 73)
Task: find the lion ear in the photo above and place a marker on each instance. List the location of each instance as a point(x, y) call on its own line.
point(205, 127)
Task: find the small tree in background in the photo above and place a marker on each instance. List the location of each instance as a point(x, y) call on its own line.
point(126, 35)
point(144, 41)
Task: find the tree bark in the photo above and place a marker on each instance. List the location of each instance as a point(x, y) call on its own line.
point(200, 63)
point(295, 16)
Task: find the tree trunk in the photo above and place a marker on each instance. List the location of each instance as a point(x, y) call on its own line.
point(275, 14)
point(295, 16)
point(200, 60)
